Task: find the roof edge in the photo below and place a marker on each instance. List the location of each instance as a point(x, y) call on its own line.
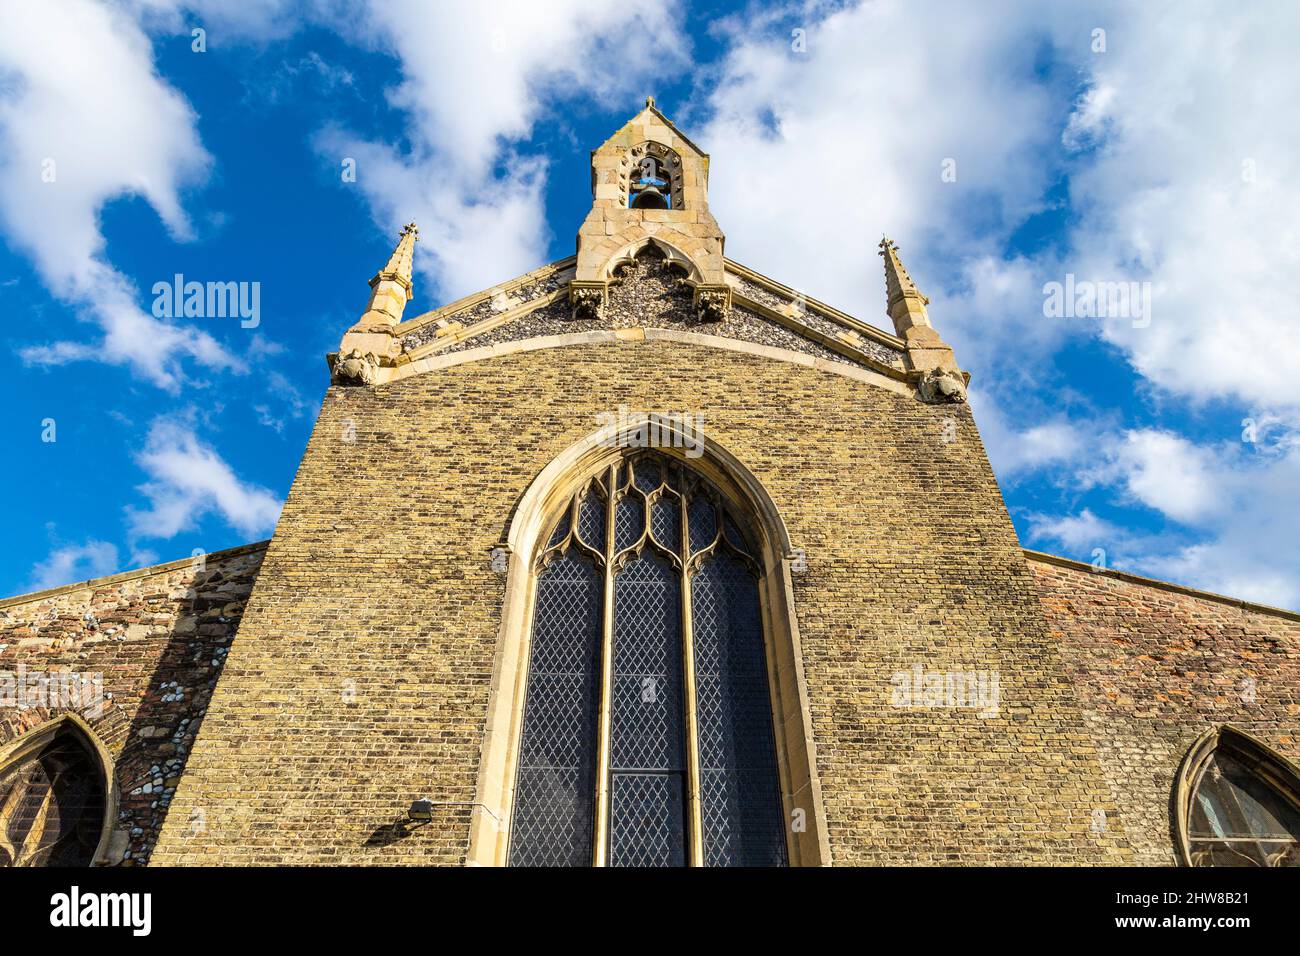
point(474, 298)
point(121, 576)
point(860, 326)
point(1044, 558)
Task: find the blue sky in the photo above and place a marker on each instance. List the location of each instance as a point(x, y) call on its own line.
point(1004, 147)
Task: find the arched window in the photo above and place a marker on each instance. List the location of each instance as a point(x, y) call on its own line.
point(53, 799)
point(651, 177)
point(1238, 804)
point(650, 187)
point(647, 733)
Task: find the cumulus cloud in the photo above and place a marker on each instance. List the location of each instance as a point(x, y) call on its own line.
point(190, 480)
point(74, 562)
point(1192, 188)
point(818, 152)
point(1014, 451)
point(1228, 528)
point(86, 119)
point(473, 84)
point(1165, 151)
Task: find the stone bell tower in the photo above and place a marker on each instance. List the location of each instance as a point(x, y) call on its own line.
point(649, 181)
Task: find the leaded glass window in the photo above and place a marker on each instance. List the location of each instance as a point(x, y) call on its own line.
point(647, 733)
point(52, 804)
point(1242, 805)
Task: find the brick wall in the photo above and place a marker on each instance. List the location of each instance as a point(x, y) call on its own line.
point(362, 673)
point(159, 638)
point(1154, 667)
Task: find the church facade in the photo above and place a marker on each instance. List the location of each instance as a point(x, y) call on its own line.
point(644, 558)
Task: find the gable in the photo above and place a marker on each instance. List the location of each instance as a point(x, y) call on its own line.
point(649, 291)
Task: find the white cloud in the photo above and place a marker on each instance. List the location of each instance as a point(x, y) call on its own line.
point(84, 102)
point(189, 480)
point(1181, 172)
point(1014, 450)
point(74, 562)
point(1192, 187)
point(815, 154)
point(1171, 474)
point(474, 82)
point(1231, 528)
point(1079, 534)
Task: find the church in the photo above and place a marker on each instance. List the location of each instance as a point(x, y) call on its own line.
point(644, 558)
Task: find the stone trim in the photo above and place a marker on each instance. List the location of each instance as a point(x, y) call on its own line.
point(1126, 576)
point(429, 363)
point(486, 325)
point(131, 575)
point(793, 323)
point(829, 311)
point(474, 298)
point(839, 346)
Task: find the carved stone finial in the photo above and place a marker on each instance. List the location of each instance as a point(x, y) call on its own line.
point(411, 229)
point(649, 102)
point(942, 386)
point(354, 368)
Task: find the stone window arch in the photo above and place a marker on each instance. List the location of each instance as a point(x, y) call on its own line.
point(648, 702)
point(1237, 803)
point(57, 797)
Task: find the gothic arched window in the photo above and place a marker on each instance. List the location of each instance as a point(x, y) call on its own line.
point(1238, 804)
point(52, 800)
point(647, 732)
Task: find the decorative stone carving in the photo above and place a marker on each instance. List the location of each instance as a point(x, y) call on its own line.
point(712, 303)
point(587, 299)
point(942, 386)
point(355, 368)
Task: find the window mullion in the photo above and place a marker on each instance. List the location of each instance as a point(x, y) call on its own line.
point(600, 845)
point(694, 809)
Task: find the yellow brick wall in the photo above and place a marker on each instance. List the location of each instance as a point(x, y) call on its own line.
point(360, 676)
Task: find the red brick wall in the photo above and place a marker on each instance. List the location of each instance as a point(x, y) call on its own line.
point(159, 638)
point(1154, 668)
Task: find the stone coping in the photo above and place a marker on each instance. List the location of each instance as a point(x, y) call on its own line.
point(1030, 554)
point(122, 576)
point(429, 362)
point(449, 310)
point(1073, 565)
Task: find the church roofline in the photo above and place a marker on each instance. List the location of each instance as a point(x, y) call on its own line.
point(1041, 557)
point(838, 316)
point(430, 361)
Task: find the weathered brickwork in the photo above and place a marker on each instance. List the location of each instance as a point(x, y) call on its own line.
point(159, 638)
point(362, 673)
point(1153, 668)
